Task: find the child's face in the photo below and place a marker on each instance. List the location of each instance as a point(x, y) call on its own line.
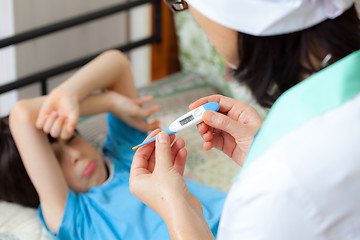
point(81, 164)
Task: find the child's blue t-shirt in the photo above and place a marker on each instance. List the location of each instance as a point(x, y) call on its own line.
point(110, 211)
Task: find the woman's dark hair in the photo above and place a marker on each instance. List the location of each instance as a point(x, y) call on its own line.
point(15, 184)
point(271, 65)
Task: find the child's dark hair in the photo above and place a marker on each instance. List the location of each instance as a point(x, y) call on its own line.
point(15, 184)
point(273, 64)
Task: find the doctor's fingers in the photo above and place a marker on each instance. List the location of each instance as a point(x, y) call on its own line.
point(144, 157)
point(177, 145)
point(163, 156)
point(146, 153)
point(202, 101)
point(152, 160)
point(223, 142)
point(180, 161)
point(222, 122)
point(207, 132)
point(226, 104)
point(174, 159)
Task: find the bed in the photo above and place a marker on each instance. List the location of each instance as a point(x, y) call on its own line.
point(174, 93)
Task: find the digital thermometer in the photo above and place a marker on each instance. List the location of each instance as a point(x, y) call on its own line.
point(186, 121)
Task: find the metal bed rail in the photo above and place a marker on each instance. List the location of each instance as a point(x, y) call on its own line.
point(44, 75)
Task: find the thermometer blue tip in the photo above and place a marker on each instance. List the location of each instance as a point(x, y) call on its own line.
point(212, 106)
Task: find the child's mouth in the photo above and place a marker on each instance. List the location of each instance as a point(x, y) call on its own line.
point(89, 169)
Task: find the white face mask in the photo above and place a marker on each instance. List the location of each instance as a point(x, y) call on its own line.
point(231, 65)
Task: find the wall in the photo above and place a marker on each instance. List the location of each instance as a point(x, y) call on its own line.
point(70, 44)
point(140, 27)
point(7, 57)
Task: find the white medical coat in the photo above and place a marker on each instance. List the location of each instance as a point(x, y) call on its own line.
point(301, 179)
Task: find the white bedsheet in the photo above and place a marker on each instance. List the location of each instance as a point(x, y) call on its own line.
point(18, 222)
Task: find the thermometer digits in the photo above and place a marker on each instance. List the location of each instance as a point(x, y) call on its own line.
point(186, 121)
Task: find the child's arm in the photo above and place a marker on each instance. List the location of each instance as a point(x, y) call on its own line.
point(110, 71)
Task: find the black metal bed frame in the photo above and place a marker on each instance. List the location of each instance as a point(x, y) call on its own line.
point(44, 75)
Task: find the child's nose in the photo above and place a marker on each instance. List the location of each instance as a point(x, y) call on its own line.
point(75, 161)
point(76, 156)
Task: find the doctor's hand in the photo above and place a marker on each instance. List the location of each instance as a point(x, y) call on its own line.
point(156, 177)
point(231, 129)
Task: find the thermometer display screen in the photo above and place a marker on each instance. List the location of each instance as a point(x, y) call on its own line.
point(186, 120)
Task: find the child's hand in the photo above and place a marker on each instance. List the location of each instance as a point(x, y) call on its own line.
point(129, 111)
point(59, 114)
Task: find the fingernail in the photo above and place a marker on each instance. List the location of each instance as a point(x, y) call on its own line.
point(54, 114)
point(209, 116)
point(163, 137)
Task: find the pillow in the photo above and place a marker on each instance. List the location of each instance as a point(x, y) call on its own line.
point(18, 222)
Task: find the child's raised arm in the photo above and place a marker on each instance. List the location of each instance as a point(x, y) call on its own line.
point(109, 71)
point(39, 161)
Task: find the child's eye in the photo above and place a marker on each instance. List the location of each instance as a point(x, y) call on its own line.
point(72, 139)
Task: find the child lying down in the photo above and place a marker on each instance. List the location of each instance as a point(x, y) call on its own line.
point(83, 194)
